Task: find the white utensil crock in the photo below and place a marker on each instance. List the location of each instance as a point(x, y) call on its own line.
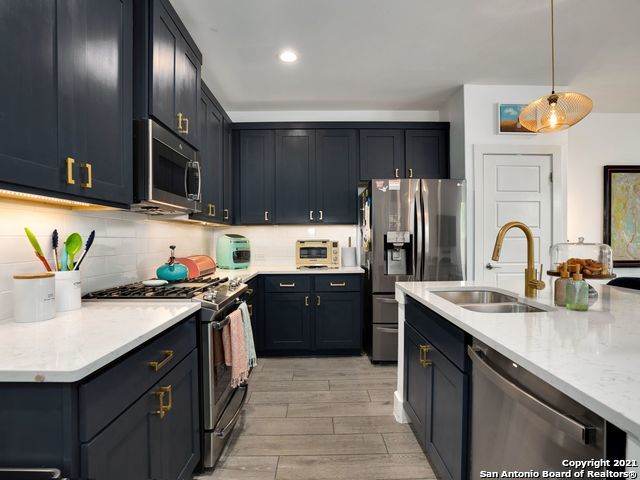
point(34, 297)
point(68, 291)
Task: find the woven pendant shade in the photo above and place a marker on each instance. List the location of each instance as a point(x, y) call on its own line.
point(555, 112)
point(558, 111)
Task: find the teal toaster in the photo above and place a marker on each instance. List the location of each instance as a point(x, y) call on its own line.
point(232, 251)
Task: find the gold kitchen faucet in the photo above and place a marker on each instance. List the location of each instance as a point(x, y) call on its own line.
point(531, 282)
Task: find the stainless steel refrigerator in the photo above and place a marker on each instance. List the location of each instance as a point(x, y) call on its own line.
point(409, 230)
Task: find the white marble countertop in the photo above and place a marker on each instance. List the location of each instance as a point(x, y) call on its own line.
point(593, 356)
point(248, 273)
point(76, 344)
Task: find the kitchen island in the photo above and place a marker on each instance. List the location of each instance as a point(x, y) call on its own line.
point(592, 357)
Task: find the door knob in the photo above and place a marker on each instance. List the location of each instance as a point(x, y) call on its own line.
point(488, 266)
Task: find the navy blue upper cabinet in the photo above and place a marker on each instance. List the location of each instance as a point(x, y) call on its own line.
point(427, 154)
point(256, 177)
point(335, 179)
point(211, 133)
point(227, 197)
point(381, 154)
point(168, 69)
point(295, 162)
point(29, 107)
point(95, 83)
point(67, 125)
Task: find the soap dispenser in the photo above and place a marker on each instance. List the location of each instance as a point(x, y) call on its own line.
point(560, 288)
point(577, 293)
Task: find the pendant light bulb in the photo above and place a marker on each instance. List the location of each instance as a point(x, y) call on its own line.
point(558, 111)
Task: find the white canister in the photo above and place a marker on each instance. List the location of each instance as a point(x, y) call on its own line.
point(34, 297)
point(68, 291)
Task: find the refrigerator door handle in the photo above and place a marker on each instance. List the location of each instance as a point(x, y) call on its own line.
point(418, 223)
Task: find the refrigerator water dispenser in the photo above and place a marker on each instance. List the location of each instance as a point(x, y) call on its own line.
point(398, 259)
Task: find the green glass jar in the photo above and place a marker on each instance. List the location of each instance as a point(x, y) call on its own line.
point(577, 293)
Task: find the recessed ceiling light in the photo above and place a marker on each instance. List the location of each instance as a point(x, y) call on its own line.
point(288, 56)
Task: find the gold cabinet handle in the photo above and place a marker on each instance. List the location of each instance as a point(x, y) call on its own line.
point(182, 118)
point(162, 408)
point(411, 173)
point(321, 215)
point(287, 285)
point(306, 300)
point(317, 300)
point(250, 308)
point(168, 355)
point(397, 172)
point(311, 215)
point(424, 349)
point(266, 215)
point(249, 291)
point(212, 210)
point(226, 214)
point(343, 284)
point(89, 182)
point(70, 180)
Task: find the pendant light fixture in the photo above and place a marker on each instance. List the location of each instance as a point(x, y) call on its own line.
point(558, 111)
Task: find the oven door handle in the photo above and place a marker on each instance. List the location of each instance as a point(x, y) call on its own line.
point(222, 432)
point(221, 324)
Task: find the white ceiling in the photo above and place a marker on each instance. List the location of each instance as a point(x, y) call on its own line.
point(410, 54)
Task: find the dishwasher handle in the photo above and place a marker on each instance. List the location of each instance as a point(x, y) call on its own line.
point(576, 430)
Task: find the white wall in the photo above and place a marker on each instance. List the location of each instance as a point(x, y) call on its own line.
point(128, 246)
point(275, 245)
point(336, 116)
point(600, 139)
point(480, 128)
point(453, 112)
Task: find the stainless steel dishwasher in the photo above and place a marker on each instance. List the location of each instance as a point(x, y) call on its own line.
point(519, 422)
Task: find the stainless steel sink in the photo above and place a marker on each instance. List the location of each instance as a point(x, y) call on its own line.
point(510, 307)
point(463, 297)
point(487, 301)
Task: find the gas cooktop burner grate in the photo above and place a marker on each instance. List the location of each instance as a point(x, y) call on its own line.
point(185, 289)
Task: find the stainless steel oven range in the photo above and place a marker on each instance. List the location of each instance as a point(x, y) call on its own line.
point(222, 404)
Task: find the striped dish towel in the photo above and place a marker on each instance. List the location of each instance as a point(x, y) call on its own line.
point(248, 335)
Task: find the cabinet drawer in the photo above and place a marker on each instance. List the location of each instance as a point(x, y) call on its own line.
point(287, 283)
point(337, 283)
point(439, 332)
point(109, 393)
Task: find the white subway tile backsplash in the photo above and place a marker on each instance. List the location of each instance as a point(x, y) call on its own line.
point(276, 245)
point(128, 246)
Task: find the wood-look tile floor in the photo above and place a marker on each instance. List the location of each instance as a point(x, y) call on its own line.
point(320, 418)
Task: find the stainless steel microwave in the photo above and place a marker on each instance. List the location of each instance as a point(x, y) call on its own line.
point(167, 171)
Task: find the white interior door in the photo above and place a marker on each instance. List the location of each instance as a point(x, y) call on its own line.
point(514, 187)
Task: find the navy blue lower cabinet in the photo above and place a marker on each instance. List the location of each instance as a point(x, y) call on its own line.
point(308, 315)
point(288, 322)
point(110, 425)
point(337, 322)
point(128, 448)
point(447, 414)
point(415, 383)
point(437, 389)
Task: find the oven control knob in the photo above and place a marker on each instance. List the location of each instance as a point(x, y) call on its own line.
point(210, 295)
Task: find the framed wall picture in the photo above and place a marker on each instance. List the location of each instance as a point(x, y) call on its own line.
point(508, 124)
point(622, 213)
